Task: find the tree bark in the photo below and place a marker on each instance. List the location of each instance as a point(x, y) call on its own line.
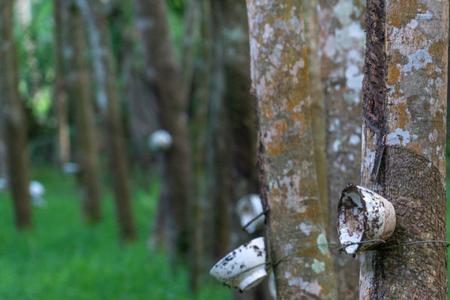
point(141, 108)
point(3, 160)
point(14, 120)
point(219, 139)
point(107, 98)
point(280, 73)
point(240, 126)
point(201, 258)
point(318, 111)
point(60, 85)
point(404, 92)
point(142, 111)
point(342, 47)
point(86, 130)
point(165, 75)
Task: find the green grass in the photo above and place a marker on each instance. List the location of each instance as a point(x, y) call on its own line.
point(448, 229)
point(64, 258)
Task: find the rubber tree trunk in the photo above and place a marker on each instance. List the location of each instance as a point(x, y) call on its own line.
point(239, 102)
point(142, 110)
point(14, 120)
point(280, 73)
point(201, 258)
point(342, 48)
point(108, 101)
point(86, 131)
point(60, 85)
point(161, 231)
point(118, 161)
point(240, 115)
point(318, 111)
point(221, 190)
point(3, 168)
point(140, 102)
point(404, 90)
point(165, 75)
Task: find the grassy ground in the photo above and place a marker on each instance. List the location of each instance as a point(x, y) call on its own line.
point(63, 258)
point(448, 228)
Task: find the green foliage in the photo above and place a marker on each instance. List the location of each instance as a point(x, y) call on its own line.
point(176, 6)
point(176, 29)
point(42, 102)
point(63, 258)
point(35, 47)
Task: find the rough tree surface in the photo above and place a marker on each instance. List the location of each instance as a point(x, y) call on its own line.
point(280, 75)
point(342, 54)
point(405, 88)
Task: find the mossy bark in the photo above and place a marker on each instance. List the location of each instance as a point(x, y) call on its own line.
point(405, 90)
point(281, 81)
point(342, 56)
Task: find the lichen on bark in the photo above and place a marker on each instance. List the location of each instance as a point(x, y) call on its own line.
point(408, 90)
point(281, 83)
point(342, 56)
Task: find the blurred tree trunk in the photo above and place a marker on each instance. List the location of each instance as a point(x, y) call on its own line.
point(281, 81)
point(219, 139)
point(240, 113)
point(202, 236)
point(86, 131)
point(107, 98)
point(143, 20)
point(3, 169)
point(191, 34)
point(342, 48)
point(60, 85)
point(404, 93)
point(165, 76)
point(140, 101)
point(142, 111)
point(3, 160)
point(14, 119)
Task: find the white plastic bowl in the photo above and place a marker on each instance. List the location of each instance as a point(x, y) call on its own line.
point(244, 267)
point(71, 168)
point(160, 140)
point(365, 219)
point(248, 208)
point(3, 183)
point(37, 189)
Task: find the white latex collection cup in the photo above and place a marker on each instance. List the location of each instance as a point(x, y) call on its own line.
point(244, 267)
